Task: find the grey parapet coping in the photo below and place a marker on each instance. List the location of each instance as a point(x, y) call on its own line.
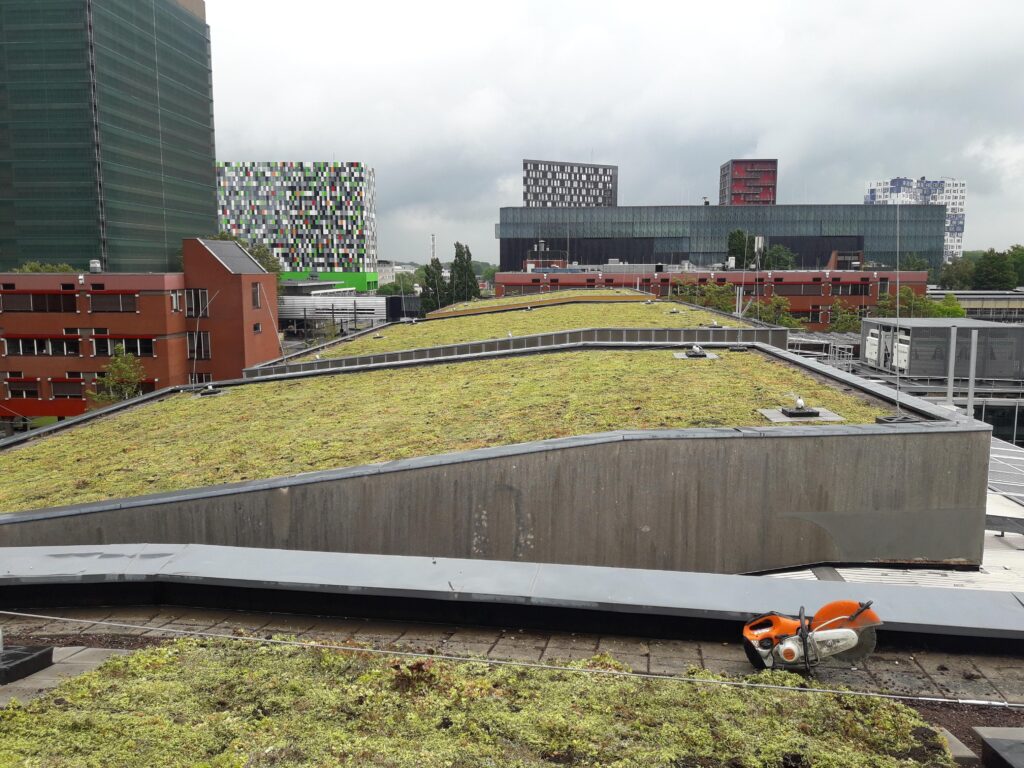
point(485, 454)
point(914, 609)
point(314, 349)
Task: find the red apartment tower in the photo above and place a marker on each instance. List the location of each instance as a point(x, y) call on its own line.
point(59, 330)
point(748, 182)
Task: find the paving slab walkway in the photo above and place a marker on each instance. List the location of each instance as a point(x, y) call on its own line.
point(914, 673)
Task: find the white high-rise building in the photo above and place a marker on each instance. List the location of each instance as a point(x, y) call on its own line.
point(951, 193)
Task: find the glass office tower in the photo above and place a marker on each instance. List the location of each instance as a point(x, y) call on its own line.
point(106, 132)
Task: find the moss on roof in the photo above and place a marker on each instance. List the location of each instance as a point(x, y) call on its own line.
point(539, 299)
point(454, 330)
point(273, 429)
point(230, 703)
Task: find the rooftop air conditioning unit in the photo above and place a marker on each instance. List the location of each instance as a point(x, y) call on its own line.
point(95, 266)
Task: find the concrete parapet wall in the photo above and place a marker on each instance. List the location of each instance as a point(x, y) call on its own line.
point(714, 500)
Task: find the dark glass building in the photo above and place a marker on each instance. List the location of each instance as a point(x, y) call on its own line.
point(700, 233)
point(106, 132)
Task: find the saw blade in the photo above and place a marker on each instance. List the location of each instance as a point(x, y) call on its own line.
point(867, 639)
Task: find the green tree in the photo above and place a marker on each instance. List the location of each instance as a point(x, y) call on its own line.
point(403, 285)
point(38, 266)
point(464, 285)
point(741, 247)
point(1015, 254)
point(957, 275)
point(774, 311)
point(949, 307)
point(436, 290)
point(720, 297)
point(844, 318)
point(122, 379)
point(488, 274)
point(911, 262)
point(915, 305)
point(994, 272)
point(779, 257)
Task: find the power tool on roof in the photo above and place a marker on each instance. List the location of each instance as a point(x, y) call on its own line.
point(843, 630)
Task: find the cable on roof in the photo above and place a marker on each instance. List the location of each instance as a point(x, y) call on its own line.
point(523, 664)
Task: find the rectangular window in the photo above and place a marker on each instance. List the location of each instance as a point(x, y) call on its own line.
point(197, 302)
point(198, 345)
point(113, 302)
point(257, 327)
point(255, 295)
point(23, 390)
point(200, 378)
point(66, 390)
point(175, 301)
point(42, 347)
point(37, 302)
point(137, 347)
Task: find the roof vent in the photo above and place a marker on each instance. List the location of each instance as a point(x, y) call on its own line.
point(95, 266)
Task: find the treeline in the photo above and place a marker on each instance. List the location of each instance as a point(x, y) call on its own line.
point(989, 270)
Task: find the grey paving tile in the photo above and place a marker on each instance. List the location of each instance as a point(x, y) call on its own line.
point(552, 654)
point(859, 680)
point(526, 639)
point(907, 683)
point(243, 622)
point(94, 614)
point(174, 629)
point(467, 649)
point(378, 633)
point(66, 652)
point(1011, 690)
point(635, 661)
point(997, 668)
point(961, 688)
point(723, 652)
point(92, 655)
point(623, 645)
point(946, 664)
point(903, 663)
point(335, 628)
point(725, 667)
point(684, 648)
point(665, 664)
point(23, 694)
point(475, 635)
point(519, 652)
point(63, 628)
point(51, 676)
point(573, 641)
point(203, 617)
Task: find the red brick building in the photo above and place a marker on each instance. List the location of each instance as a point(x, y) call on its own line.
point(58, 330)
point(810, 293)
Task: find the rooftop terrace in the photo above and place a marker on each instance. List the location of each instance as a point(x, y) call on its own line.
point(499, 325)
point(265, 430)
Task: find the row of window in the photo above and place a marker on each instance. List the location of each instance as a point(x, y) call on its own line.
point(72, 390)
point(198, 346)
point(197, 302)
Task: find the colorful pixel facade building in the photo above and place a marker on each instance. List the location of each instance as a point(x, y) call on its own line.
point(313, 216)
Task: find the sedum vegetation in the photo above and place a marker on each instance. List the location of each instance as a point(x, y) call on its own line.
point(539, 299)
point(272, 429)
point(455, 330)
point(231, 703)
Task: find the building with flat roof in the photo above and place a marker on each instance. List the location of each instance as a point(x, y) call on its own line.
point(673, 234)
point(951, 193)
point(557, 184)
point(58, 331)
point(106, 132)
point(314, 217)
point(748, 182)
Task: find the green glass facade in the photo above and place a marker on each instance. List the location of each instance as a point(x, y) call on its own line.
point(106, 132)
point(700, 233)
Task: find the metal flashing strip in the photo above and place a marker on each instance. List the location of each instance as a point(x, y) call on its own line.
point(925, 610)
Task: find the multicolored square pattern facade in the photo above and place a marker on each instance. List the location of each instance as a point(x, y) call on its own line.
point(312, 216)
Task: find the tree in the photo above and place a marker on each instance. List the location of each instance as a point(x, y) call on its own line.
point(741, 247)
point(844, 318)
point(720, 297)
point(911, 262)
point(404, 284)
point(464, 285)
point(779, 257)
point(488, 274)
point(436, 291)
point(957, 275)
point(38, 266)
point(122, 379)
point(915, 305)
point(994, 272)
point(774, 311)
point(1016, 256)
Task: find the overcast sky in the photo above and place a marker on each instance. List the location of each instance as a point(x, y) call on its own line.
point(445, 99)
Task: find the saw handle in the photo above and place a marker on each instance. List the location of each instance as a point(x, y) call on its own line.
point(861, 608)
